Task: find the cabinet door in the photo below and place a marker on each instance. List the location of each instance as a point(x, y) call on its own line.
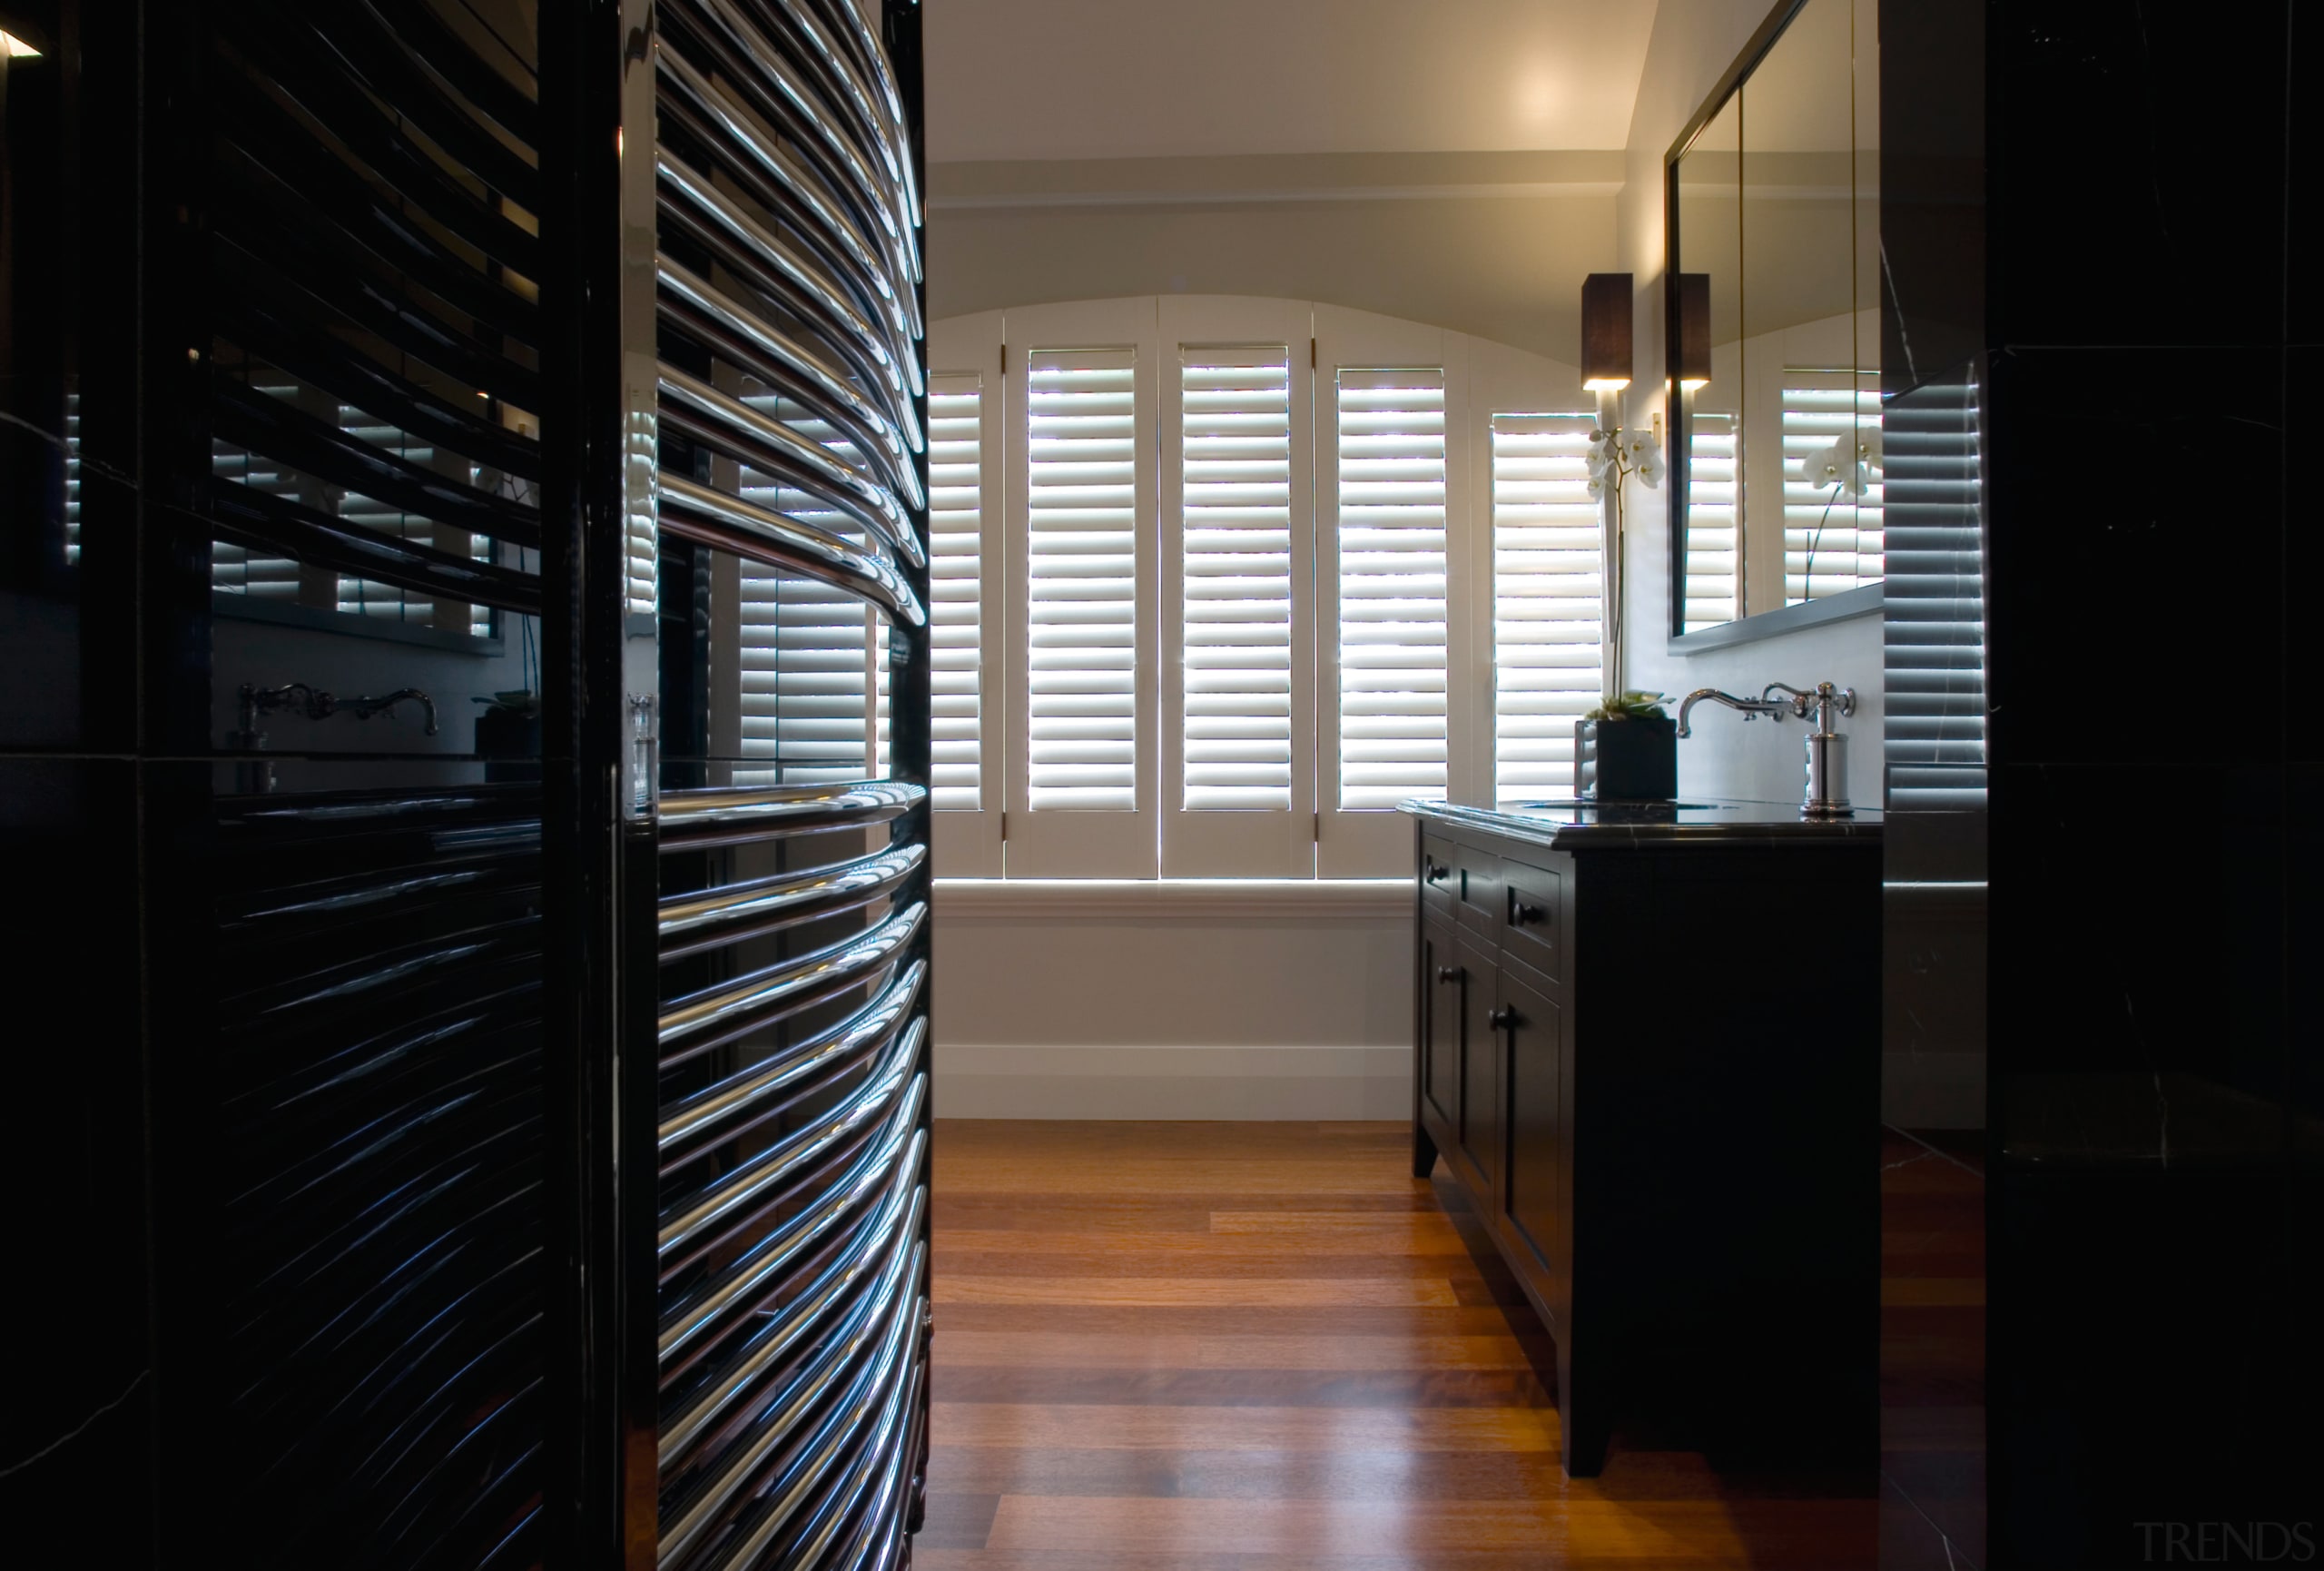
point(1443, 988)
point(1532, 1026)
point(1481, 1099)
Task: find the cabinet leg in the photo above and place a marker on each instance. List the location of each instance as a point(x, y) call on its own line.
point(1585, 1421)
point(1423, 1151)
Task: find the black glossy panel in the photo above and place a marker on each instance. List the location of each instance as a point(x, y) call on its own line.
point(75, 1441)
point(352, 1100)
point(2285, 580)
point(2082, 570)
point(2137, 173)
point(1932, 187)
point(2101, 962)
point(2304, 178)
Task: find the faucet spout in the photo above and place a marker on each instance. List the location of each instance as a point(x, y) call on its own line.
point(366, 708)
point(1749, 707)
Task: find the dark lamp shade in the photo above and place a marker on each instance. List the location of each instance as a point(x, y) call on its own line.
point(1694, 330)
point(1606, 332)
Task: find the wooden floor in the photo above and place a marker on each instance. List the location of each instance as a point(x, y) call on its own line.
point(1242, 1347)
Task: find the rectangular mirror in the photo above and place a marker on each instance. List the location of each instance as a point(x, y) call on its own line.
point(1773, 333)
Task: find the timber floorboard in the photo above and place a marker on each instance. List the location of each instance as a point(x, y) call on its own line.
point(1265, 1347)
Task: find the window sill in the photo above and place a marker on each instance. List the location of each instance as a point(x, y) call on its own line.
point(1174, 899)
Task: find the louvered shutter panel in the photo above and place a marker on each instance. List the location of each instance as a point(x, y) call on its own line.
point(1713, 585)
point(1081, 571)
point(1933, 617)
point(1080, 431)
point(1829, 546)
point(1390, 600)
point(971, 587)
point(1548, 599)
point(1235, 566)
point(956, 531)
point(808, 694)
point(1236, 485)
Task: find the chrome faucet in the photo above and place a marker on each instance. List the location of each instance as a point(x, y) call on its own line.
point(316, 704)
point(1825, 796)
point(1752, 708)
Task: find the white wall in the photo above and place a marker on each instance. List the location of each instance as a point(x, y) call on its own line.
point(1087, 999)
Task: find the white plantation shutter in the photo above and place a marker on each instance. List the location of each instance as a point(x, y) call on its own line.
point(971, 608)
point(1081, 634)
point(1829, 547)
point(1548, 605)
point(1713, 583)
point(1237, 552)
point(956, 588)
point(1082, 579)
point(1933, 621)
point(1391, 583)
point(1235, 567)
point(805, 648)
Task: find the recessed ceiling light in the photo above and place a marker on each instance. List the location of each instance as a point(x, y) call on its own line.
point(14, 48)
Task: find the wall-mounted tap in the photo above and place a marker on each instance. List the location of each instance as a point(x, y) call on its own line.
point(1752, 708)
point(1826, 795)
point(316, 704)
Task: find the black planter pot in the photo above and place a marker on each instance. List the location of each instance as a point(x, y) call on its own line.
point(1625, 760)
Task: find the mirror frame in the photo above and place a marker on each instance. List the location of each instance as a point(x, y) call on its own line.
point(1857, 602)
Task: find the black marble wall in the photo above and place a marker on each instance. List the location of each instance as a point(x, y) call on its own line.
point(2148, 356)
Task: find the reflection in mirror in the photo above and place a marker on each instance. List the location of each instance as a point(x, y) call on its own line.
point(1774, 203)
point(1707, 194)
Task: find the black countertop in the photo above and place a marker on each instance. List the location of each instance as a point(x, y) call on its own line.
point(1565, 825)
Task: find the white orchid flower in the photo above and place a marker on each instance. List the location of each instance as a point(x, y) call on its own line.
point(1650, 464)
point(1868, 446)
point(1824, 467)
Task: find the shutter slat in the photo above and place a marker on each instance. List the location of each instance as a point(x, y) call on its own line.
point(955, 535)
point(1234, 413)
point(1392, 541)
point(1547, 611)
point(1933, 609)
point(1847, 537)
point(1082, 568)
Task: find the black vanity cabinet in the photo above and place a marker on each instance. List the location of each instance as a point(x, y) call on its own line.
point(1647, 1046)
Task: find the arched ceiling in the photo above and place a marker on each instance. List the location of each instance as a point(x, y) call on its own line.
point(1011, 80)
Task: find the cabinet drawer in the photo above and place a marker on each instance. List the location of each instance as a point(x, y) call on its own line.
point(1439, 876)
point(1532, 912)
point(1477, 875)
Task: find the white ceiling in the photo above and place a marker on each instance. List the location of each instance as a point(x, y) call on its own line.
point(1053, 79)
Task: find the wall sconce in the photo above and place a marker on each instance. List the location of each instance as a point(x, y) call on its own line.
point(1694, 330)
point(1606, 359)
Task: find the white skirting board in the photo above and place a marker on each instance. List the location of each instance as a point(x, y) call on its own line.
point(1173, 1082)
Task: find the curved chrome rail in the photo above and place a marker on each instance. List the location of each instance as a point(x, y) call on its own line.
point(725, 523)
point(791, 1336)
point(701, 1021)
point(766, 1175)
point(724, 816)
point(732, 913)
point(686, 1324)
point(694, 1125)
